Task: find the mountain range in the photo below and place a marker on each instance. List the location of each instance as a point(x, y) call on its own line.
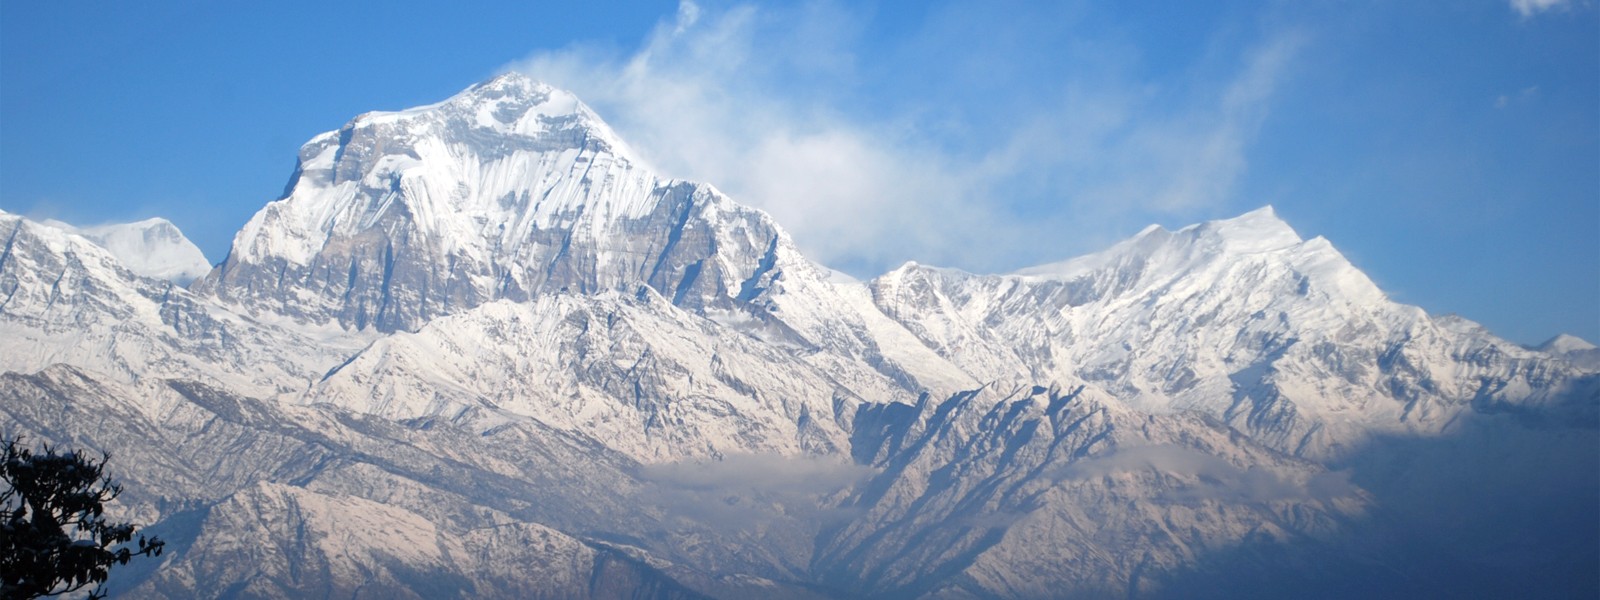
point(479, 349)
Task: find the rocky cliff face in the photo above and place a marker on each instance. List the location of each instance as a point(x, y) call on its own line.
point(479, 350)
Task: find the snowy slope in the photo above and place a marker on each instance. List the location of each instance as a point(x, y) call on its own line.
point(652, 381)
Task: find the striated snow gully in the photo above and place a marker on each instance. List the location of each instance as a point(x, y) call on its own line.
point(478, 349)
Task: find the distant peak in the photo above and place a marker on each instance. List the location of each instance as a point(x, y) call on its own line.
point(511, 82)
point(153, 247)
point(150, 223)
point(1565, 343)
point(1259, 230)
point(1265, 217)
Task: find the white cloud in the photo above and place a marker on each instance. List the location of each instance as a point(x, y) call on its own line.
point(767, 102)
point(688, 13)
point(1529, 8)
point(1524, 95)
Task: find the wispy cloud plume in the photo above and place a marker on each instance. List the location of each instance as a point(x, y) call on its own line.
point(1524, 95)
point(792, 109)
point(1529, 8)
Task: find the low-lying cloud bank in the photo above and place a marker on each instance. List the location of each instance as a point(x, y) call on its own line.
point(749, 490)
point(1216, 479)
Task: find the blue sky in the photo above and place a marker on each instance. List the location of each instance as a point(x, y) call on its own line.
point(1451, 149)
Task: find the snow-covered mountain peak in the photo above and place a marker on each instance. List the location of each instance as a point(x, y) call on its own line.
point(510, 104)
point(152, 248)
point(1259, 230)
point(1212, 255)
point(910, 268)
point(1575, 350)
point(512, 87)
point(484, 166)
point(514, 104)
point(509, 189)
point(1565, 343)
point(1156, 250)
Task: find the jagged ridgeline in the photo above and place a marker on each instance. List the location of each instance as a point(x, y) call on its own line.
point(478, 349)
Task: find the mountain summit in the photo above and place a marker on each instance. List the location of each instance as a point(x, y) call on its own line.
point(507, 190)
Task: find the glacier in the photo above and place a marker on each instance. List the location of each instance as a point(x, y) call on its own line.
point(480, 349)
